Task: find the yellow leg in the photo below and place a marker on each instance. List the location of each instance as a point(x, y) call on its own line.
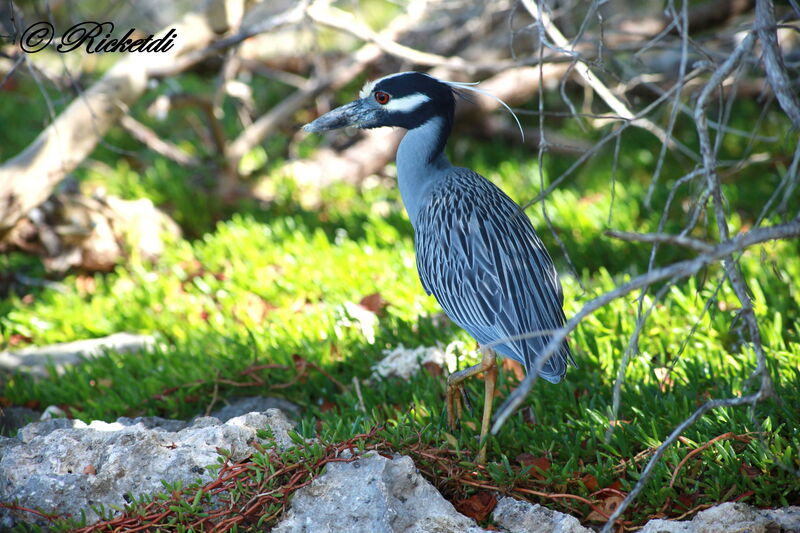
point(489, 365)
point(489, 381)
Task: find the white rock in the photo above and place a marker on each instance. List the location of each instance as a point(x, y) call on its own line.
point(732, 518)
point(517, 516)
point(65, 466)
point(404, 362)
point(373, 495)
point(35, 359)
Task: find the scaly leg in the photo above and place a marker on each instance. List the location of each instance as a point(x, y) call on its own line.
point(489, 381)
point(489, 365)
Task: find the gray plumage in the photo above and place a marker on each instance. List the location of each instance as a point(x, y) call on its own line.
point(477, 252)
point(479, 255)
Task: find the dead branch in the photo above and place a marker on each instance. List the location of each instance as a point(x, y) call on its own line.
point(599, 145)
point(678, 240)
point(715, 13)
point(28, 179)
point(773, 61)
point(730, 262)
point(677, 432)
point(515, 85)
point(345, 22)
point(185, 61)
point(701, 17)
point(157, 144)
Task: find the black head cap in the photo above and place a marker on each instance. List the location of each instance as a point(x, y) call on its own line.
point(413, 99)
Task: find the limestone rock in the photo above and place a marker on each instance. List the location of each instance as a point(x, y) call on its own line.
point(517, 516)
point(373, 495)
point(404, 362)
point(65, 466)
point(732, 518)
point(34, 359)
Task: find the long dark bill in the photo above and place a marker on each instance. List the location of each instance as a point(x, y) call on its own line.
point(352, 114)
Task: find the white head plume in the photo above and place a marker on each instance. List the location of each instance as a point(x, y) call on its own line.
point(469, 86)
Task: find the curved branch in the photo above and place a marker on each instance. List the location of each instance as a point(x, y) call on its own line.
point(773, 61)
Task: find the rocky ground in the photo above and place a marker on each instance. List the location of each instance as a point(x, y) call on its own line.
point(66, 466)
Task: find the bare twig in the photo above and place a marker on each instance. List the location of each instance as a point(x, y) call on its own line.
point(588, 75)
point(291, 16)
point(555, 183)
point(731, 269)
point(27, 179)
point(683, 29)
point(709, 164)
point(675, 271)
point(678, 240)
point(357, 387)
point(773, 61)
point(791, 179)
point(677, 432)
point(156, 143)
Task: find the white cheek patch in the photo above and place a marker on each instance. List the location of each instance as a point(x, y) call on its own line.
point(407, 104)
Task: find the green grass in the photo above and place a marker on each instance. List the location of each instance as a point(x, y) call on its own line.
point(269, 284)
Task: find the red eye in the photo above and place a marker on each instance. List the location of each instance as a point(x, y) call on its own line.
point(382, 97)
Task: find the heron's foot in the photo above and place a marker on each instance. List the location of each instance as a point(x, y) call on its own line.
point(490, 382)
point(454, 405)
point(481, 458)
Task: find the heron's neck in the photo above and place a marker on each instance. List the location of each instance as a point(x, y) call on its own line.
point(421, 162)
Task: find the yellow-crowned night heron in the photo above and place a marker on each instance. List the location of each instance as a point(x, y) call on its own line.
point(477, 252)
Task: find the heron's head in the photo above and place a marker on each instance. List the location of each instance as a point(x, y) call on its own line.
point(406, 100)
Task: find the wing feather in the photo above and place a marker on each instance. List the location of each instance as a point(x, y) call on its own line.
point(479, 255)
